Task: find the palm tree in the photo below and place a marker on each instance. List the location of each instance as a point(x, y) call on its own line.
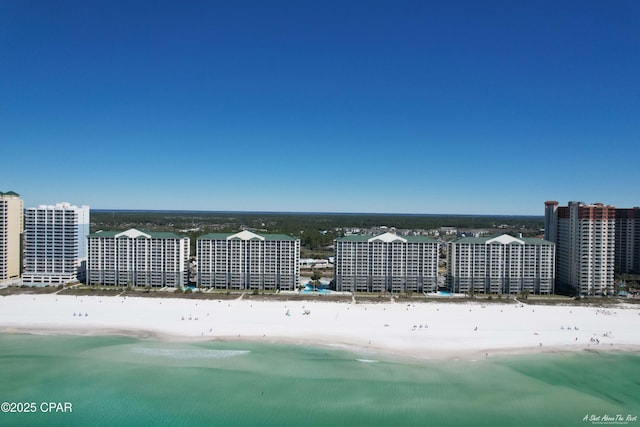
point(315, 280)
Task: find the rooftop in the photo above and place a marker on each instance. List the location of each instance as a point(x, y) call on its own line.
point(136, 234)
point(386, 237)
point(504, 239)
point(245, 235)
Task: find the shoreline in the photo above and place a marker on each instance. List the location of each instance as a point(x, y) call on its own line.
point(410, 331)
point(371, 355)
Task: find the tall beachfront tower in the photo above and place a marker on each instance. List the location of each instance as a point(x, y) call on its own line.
point(138, 258)
point(551, 221)
point(585, 246)
point(501, 265)
point(248, 260)
point(11, 226)
point(55, 243)
point(627, 253)
point(55, 240)
point(386, 262)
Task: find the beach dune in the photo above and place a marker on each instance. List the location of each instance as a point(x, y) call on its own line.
point(426, 330)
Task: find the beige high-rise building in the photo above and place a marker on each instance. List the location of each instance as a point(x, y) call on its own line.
point(585, 238)
point(11, 226)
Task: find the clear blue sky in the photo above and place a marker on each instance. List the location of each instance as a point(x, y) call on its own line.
point(476, 107)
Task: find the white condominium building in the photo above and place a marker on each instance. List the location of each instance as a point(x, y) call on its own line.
point(585, 246)
point(138, 258)
point(248, 260)
point(11, 225)
point(386, 262)
point(501, 265)
point(55, 243)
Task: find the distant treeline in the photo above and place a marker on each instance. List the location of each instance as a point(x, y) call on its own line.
point(315, 230)
point(280, 222)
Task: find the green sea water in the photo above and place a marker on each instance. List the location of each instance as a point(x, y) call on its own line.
point(112, 380)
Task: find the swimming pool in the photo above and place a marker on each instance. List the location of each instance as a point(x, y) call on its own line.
point(308, 289)
point(319, 291)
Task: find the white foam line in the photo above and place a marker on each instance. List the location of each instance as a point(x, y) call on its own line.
point(188, 354)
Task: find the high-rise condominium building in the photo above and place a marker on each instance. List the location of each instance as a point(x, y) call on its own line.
point(55, 240)
point(551, 221)
point(386, 262)
point(627, 253)
point(11, 226)
point(137, 258)
point(501, 265)
point(248, 260)
point(585, 245)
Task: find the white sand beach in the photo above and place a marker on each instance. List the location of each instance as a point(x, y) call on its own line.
point(425, 330)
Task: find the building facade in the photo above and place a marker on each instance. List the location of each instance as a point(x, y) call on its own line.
point(501, 265)
point(137, 258)
point(386, 263)
point(627, 242)
point(551, 221)
point(585, 246)
point(55, 240)
point(11, 227)
point(248, 260)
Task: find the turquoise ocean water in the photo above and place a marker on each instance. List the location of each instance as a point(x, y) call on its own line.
point(113, 380)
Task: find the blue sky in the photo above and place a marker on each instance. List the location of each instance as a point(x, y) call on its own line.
point(466, 107)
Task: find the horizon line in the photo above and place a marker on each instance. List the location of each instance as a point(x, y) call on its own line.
point(311, 212)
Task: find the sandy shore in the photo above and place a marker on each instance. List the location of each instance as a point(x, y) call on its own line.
point(420, 330)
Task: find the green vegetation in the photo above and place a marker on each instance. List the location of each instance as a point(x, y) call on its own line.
point(632, 280)
point(85, 290)
point(315, 279)
point(315, 231)
point(24, 289)
point(524, 294)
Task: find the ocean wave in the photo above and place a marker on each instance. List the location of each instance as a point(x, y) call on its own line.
point(188, 354)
